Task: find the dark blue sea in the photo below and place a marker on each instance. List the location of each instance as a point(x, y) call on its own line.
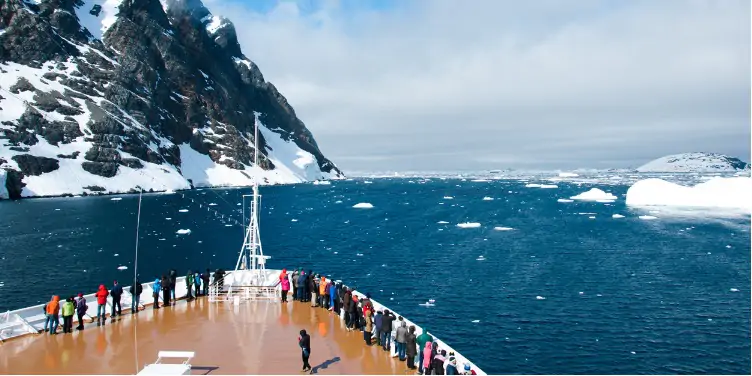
point(560, 293)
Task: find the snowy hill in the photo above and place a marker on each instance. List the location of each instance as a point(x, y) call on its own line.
point(100, 96)
point(694, 162)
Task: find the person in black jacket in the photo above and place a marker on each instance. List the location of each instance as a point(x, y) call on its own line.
point(205, 279)
point(116, 293)
point(173, 282)
point(166, 290)
point(304, 341)
point(386, 330)
point(135, 291)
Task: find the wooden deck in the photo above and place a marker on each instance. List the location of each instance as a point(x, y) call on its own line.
point(252, 338)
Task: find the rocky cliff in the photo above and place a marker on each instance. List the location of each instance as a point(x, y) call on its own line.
point(102, 96)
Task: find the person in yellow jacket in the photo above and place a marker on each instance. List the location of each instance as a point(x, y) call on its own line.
point(322, 291)
point(68, 309)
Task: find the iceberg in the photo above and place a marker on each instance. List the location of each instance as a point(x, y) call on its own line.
point(594, 194)
point(727, 193)
point(183, 232)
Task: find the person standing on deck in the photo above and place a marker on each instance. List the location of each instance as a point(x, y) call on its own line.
point(421, 342)
point(379, 320)
point(284, 282)
point(332, 297)
point(81, 308)
point(386, 330)
point(173, 283)
point(67, 311)
point(354, 319)
point(165, 290)
point(189, 285)
point(312, 288)
point(294, 278)
point(101, 305)
point(411, 349)
point(451, 366)
point(425, 355)
point(400, 339)
point(205, 281)
point(197, 283)
point(438, 363)
point(346, 301)
point(52, 310)
point(323, 293)
point(302, 286)
point(116, 293)
point(136, 291)
point(304, 341)
point(368, 328)
point(156, 287)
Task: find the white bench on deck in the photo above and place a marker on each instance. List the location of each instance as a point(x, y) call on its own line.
point(159, 368)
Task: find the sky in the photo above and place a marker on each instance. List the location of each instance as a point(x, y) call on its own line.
point(393, 85)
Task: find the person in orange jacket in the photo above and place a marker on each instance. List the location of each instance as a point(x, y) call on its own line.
point(52, 312)
point(101, 295)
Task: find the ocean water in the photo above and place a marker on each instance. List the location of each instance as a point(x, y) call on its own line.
point(559, 293)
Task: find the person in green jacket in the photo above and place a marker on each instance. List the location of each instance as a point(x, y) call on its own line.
point(68, 309)
point(189, 285)
point(422, 340)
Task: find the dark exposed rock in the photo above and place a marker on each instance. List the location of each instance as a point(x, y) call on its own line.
point(31, 165)
point(102, 154)
point(95, 188)
point(14, 183)
point(21, 85)
point(22, 149)
point(73, 155)
point(132, 163)
point(104, 169)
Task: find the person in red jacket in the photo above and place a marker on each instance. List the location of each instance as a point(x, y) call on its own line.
point(101, 295)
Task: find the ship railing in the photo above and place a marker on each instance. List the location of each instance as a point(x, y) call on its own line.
point(13, 325)
point(237, 293)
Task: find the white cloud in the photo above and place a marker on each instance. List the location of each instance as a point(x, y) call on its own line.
point(453, 84)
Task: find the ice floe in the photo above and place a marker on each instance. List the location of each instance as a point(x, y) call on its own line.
point(545, 186)
point(322, 182)
point(540, 297)
point(487, 198)
point(564, 200)
point(648, 217)
point(468, 225)
point(594, 194)
point(116, 199)
point(734, 290)
point(183, 232)
point(363, 205)
point(123, 267)
point(442, 222)
point(568, 175)
point(183, 210)
point(617, 216)
point(729, 193)
point(448, 198)
point(501, 228)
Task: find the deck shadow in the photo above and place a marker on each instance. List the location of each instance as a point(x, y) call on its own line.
point(324, 365)
point(208, 369)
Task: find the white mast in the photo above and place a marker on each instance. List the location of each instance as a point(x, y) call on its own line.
point(251, 258)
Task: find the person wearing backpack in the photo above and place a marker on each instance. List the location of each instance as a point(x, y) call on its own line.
point(67, 311)
point(136, 291)
point(156, 287)
point(81, 308)
point(189, 285)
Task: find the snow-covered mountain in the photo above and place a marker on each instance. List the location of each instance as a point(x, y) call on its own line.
point(694, 162)
point(102, 96)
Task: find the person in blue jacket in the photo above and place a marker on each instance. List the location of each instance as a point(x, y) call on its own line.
point(332, 296)
point(302, 286)
point(157, 286)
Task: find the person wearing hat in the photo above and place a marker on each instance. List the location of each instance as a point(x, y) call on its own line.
point(468, 370)
point(136, 291)
point(81, 308)
point(304, 341)
point(451, 366)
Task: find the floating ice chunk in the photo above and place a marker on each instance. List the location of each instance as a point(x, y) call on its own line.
point(501, 228)
point(183, 232)
point(728, 246)
point(338, 202)
point(582, 293)
point(617, 216)
point(448, 198)
point(729, 193)
point(183, 210)
point(468, 225)
point(228, 225)
point(212, 204)
point(322, 182)
point(123, 267)
point(116, 255)
point(592, 217)
point(162, 239)
point(293, 220)
point(475, 321)
point(427, 304)
point(442, 222)
point(57, 209)
point(564, 200)
point(363, 205)
point(481, 258)
point(594, 194)
point(605, 201)
point(116, 199)
point(540, 297)
point(487, 198)
point(734, 290)
point(648, 217)
point(480, 180)
point(168, 218)
point(545, 186)
point(568, 175)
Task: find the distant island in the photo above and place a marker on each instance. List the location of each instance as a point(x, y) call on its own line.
point(695, 162)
